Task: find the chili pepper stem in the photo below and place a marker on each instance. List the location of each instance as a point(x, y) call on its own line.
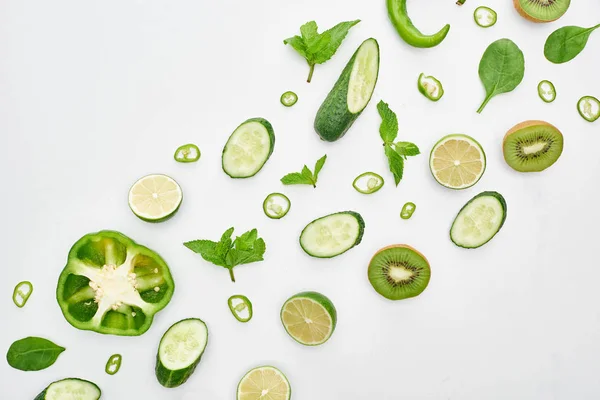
point(231, 275)
point(461, 2)
point(310, 72)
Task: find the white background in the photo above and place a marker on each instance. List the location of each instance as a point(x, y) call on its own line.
point(95, 94)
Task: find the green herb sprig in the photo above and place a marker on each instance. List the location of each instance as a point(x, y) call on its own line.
point(306, 177)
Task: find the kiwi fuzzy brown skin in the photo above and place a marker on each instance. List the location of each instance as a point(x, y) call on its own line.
point(405, 246)
point(524, 14)
point(524, 125)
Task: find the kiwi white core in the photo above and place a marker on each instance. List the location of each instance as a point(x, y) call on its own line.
point(399, 274)
point(534, 148)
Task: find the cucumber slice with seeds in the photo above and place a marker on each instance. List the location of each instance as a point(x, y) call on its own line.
point(479, 220)
point(333, 234)
point(276, 205)
point(179, 352)
point(248, 148)
point(70, 388)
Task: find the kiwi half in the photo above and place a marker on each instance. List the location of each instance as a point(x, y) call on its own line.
point(398, 272)
point(542, 10)
point(532, 146)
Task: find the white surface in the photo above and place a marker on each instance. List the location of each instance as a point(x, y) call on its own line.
point(95, 94)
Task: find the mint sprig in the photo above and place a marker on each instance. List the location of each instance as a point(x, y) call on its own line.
point(306, 177)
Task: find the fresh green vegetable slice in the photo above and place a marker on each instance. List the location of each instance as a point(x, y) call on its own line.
point(350, 94)
point(288, 99)
point(155, 198)
point(113, 364)
point(22, 293)
point(430, 87)
point(333, 234)
point(479, 220)
point(266, 383)
point(460, 2)
point(546, 91)
point(112, 285)
point(187, 153)
point(589, 108)
point(248, 148)
point(241, 307)
point(33, 354)
point(368, 182)
point(276, 205)
point(180, 351)
point(406, 29)
point(564, 44)
point(408, 210)
point(485, 17)
point(309, 318)
point(70, 389)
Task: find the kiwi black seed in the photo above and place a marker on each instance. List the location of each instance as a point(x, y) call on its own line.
point(532, 146)
point(398, 272)
point(542, 10)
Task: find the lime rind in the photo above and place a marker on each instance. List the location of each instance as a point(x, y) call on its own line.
point(320, 301)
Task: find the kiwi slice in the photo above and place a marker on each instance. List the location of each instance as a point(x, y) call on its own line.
point(398, 272)
point(532, 146)
point(542, 10)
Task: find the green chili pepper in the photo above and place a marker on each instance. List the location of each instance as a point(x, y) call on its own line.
point(546, 91)
point(430, 87)
point(406, 29)
point(187, 153)
point(485, 17)
point(408, 210)
point(241, 307)
point(461, 2)
point(22, 293)
point(288, 99)
point(113, 364)
point(589, 108)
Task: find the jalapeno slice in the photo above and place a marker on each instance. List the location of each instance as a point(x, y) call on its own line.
point(187, 153)
point(113, 364)
point(22, 293)
point(485, 17)
point(113, 285)
point(546, 91)
point(241, 307)
point(368, 182)
point(408, 210)
point(589, 108)
point(276, 205)
point(430, 87)
point(288, 99)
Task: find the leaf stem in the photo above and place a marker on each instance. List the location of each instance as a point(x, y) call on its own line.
point(231, 275)
point(487, 99)
point(310, 73)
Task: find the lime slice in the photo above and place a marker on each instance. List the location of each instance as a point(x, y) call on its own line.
point(309, 318)
point(457, 161)
point(155, 198)
point(264, 383)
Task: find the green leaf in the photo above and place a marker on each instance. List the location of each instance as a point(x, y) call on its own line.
point(336, 36)
point(564, 44)
point(33, 354)
point(246, 241)
point(396, 163)
point(298, 44)
point(501, 69)
point(208, 250)
point(319, 166)
point(407, 149)
point(388, 130)
point(296, 178)
point(309, 31)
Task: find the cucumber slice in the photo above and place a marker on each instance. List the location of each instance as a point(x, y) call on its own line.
point(248, 148)
point(333, 234)
point(70, 388)
point(276, 205)
point(479, 220)
point(180, 350)
point(350, 94)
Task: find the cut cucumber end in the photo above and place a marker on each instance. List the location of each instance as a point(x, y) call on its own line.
point(363, 76)
point(71, 388)
point(479, 220)
point(248, 148)
point(332, 235)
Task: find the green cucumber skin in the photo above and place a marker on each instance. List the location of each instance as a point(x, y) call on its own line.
point(498, 197)
point(271, 132)
point(173, 379)
point(42, 396)
point(361, 231)
point(333, 118)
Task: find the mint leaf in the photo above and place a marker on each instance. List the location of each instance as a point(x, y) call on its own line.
point(396, 163)
point(318, 48)
point(319, 166)
point(407, 149)
point(207, 249)
point(305, 177)
point(388, 130)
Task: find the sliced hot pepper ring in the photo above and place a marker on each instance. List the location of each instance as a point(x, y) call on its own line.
point(241, 307)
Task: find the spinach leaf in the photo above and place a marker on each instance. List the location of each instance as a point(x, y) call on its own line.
point(33, 354)
point(501, 69)
point(564, 44)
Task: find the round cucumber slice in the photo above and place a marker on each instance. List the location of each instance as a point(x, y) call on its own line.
point(333, 234)
point(479, 220)
point(70, 388)
point(276, 205)
point(155, 198)
point(248, 148)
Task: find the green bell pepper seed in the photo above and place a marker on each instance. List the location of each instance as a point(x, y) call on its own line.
point(240, 305)
point(187, 153)
point(430, 87)
point(113, 364)
point(408, 32)
point(408, 210)
point(485, 17)
point(22, 293)
point(368, 182)
point(546, 91)
point(276, 205)
point(589, 108)
point(288, 99)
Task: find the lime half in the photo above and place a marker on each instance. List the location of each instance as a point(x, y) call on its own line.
point(155, 198)
point(457, 161)
point(309, 318)
point(264, 383)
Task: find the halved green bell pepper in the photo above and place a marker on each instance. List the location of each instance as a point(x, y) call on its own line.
point(112, 285)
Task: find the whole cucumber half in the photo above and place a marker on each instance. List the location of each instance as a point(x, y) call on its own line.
point(70, 388)
point(350, 94)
